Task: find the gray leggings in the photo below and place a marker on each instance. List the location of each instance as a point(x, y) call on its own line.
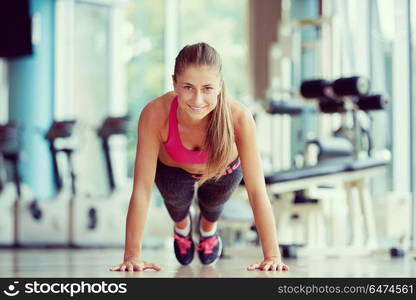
point(177, 188)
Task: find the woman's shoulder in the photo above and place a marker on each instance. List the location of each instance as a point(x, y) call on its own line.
point(156, 112)
point(241, 117)
point(160, 106)
point(239, 111)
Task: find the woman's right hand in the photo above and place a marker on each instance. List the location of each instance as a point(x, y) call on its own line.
point(133, 264)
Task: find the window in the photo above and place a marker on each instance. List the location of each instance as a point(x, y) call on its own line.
point(91, 88)
point(203, 20)
point(145, 49)
point(382, 42)
point(144, 54)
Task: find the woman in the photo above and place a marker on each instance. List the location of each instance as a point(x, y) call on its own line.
point(196, 138)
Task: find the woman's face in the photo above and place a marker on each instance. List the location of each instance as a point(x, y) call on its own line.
point(197, 88)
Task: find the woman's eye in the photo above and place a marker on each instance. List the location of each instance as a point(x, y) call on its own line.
point(208, 89)
point(187, 88)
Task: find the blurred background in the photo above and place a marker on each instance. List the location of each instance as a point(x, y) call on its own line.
point(75, 75)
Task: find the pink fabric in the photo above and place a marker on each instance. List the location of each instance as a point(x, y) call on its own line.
point(174, 145)
point(184, 243)
point(208, 244)
point(229, 170)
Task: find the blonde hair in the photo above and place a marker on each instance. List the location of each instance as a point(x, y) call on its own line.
point(219, 138)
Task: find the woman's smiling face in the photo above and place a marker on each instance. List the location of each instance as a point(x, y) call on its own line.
point(198, 88)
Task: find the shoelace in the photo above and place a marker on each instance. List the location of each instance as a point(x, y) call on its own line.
point(208, 244)
point(184, 243)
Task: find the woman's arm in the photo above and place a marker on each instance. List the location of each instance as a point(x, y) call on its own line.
point(144, 174)
point(253, 175)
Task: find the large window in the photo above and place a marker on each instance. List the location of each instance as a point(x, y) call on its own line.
point(150, 34)
point(222, 24)
point(197, 21)
point(144, 53)
point(382, 41)
point(91, 88)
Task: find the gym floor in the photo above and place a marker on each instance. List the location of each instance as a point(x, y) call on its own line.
point(94, 263)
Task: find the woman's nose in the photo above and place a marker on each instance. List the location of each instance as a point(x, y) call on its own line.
point(198, 98)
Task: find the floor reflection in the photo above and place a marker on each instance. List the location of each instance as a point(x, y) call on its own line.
point(96, 263)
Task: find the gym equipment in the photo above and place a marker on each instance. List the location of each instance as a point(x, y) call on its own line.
point(27, 221)
point(9, 191)
point(353, 178)
point(110, 127)
point(289, 251)
point(99, 221)
point(281, 114)
point(397, 221)
point(285, 107)
point(338, 96)
point(8, 195)
point(329, 106)
point(371, 102)
point(328, 149)
point(347, 86)
point(339, 161)
point(306, 208)
point(349, 97)
point(46, 222)
point(397, 252)
point(301, 221)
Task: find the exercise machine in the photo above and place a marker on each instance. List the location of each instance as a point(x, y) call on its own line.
point(99, 220)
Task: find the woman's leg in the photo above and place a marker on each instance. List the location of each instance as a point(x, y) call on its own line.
point(213, 195)
point(177, 188)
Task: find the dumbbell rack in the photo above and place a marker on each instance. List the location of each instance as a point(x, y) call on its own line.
point(345, 96)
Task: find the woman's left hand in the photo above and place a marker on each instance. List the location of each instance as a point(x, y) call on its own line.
point(269, 264)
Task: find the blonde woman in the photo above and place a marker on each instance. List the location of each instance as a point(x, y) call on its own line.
point(196, 135)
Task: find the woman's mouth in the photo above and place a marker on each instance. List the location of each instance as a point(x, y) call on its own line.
point(196, 108)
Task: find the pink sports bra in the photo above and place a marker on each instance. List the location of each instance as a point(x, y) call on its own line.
point(174, 146)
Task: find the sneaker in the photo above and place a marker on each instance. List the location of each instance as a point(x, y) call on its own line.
point(209, 249)
point(184, 247)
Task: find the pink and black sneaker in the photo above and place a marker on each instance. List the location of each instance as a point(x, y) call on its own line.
point(184, 247)
point(209, 249)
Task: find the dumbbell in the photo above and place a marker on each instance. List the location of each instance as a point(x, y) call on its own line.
point(329, 106)
point(329, 93)
point(371, 102)
point(9, 138)
point(348, 86)
point(284, 107)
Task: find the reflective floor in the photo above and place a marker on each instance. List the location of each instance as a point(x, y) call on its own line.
point(96, 262)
